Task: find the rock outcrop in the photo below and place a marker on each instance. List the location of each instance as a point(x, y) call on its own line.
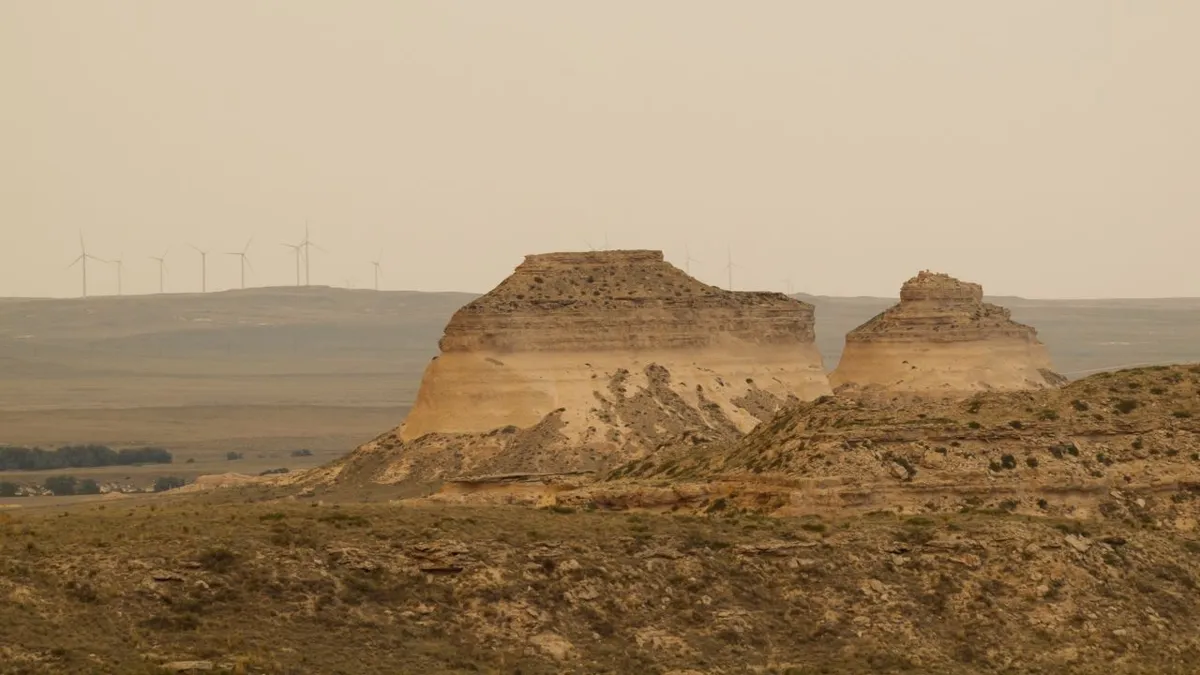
point(942, 337)
point(1071, 451)
point(581, 360)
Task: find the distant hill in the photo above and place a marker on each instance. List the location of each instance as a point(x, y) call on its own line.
point(330, 346)
point(307, 346)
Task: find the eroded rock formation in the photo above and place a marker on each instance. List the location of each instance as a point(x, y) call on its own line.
point(1113, 444)
point(581, 360)
point(942, 337)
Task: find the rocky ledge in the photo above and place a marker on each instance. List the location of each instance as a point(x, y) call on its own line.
point(619, 300)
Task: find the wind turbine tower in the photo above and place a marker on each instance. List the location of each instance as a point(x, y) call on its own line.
point(308, 243)
point(120, 263)
point(82, 260)
point(162, 267)
point(296, 248)
point(203, 269)
point(244, 260)
point(375, 263)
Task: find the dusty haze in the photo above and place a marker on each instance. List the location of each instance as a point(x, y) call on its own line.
point(1041, 149)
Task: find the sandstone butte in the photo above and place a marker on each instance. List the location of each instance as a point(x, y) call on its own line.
point(943, 338)
point(581, 360)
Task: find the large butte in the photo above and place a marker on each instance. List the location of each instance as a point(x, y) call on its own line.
point(943, 338)
point(552, 336)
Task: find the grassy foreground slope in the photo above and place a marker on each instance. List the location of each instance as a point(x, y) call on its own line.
point(293, 587)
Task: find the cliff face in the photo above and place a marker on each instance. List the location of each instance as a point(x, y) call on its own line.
point(619, 301)
point(581, 360)
point(942, 337)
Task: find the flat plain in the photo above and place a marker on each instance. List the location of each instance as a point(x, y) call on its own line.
point(263, 372)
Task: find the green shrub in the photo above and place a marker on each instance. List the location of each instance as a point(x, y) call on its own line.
point(303, 452)
point(1126, 406)
point(1081, 406)
point(1032, 462)
point(232, 455)
point(8, 489)
point(218, 559)
point(1048, 415)
point(61, 486)
point(1181, 414)
point(164, 483)
point(87, 486)
point(1008, 462)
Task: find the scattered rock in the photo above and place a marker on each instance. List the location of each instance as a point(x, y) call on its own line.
point(554, 646)
point(1077, 542)
point(189, 666)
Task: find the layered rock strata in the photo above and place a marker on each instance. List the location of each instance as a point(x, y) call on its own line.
point(1123, 444)
point(581, 360)
point(942, 337)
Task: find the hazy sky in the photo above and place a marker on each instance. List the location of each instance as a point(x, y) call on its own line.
point(1044, 149)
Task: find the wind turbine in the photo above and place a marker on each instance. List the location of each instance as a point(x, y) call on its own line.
point(244, 261)
point(296, 248)
point(203, 268)
point(375, 263)
point(82, 259)
point(729, 268)
point(307, 243)
point(120, 263)
point(162, 268)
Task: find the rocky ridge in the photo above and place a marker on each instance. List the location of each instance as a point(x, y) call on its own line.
point(942, 336)
point(1114, 444)
point(580, 361)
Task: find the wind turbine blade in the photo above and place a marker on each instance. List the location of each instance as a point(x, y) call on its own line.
point(246, 248)
point(74, 262)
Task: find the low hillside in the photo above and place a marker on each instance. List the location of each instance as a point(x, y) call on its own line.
point(245, 586)
point(1040, 451)
point(268, 346)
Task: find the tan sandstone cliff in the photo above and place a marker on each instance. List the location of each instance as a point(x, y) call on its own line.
point(580, 360)
point(942, 337)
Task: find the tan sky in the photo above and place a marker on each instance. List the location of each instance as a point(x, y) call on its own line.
point(1045, 149)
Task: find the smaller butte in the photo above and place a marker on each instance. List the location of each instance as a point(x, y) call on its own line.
point(943, 338)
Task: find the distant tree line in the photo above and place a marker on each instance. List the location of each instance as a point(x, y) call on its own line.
point(67, 485)
point(13, 458)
